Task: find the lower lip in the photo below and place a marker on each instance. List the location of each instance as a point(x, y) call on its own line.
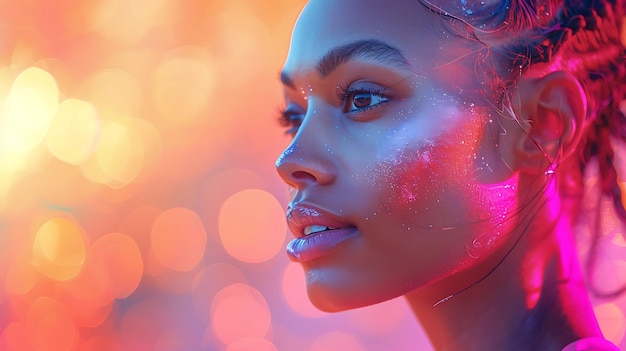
point(318, 245)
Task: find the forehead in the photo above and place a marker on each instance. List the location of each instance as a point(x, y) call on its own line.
point(420, 34)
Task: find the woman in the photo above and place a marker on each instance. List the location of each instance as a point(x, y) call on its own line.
point(439, 151)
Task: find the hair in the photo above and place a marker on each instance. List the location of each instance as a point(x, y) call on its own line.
point(582, 37)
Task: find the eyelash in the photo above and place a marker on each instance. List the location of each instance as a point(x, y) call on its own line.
point(292, 120)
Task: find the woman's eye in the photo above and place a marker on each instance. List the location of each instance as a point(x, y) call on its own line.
point(358, 101)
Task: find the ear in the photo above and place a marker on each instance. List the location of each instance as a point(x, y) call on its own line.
point(551, 111)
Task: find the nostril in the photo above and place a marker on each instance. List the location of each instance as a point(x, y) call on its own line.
point(302, 175)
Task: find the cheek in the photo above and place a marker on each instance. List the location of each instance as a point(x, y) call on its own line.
point(435, 185)
point(428, 172)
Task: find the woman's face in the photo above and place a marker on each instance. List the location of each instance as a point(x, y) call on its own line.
point(396, 175)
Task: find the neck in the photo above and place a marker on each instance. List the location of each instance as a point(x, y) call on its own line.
point(534, 300)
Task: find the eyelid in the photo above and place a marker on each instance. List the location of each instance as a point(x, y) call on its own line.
point(345, 92)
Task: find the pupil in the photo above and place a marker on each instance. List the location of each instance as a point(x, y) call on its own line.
point(362, 100)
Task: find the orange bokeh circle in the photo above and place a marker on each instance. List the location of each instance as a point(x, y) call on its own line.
point(252, 225)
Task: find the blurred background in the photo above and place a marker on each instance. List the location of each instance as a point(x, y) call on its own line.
point(139, 206)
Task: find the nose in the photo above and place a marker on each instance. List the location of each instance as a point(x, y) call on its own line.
point(299, 167)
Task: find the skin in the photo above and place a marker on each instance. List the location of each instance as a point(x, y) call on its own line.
point(443, 190)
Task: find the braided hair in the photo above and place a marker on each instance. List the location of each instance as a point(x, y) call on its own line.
point(587, 36)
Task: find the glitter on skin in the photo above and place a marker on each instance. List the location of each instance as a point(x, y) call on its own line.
point(415, 175)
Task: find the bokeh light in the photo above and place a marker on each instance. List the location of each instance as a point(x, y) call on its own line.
point(59, 249)
point(113, 92)
point(119, 154)
point(15, 337)
point(251, 225)
point(183, 85)
point(139, 204)
point(50, 326)
point(74, 131)
point(21, 278)
point(211, 280)
point(294, 290)
point(238, 312)
point(113, 269)
point(28, 111)
point(87, 314)
point(178, 239)
point(119, 264)
point(133, 20)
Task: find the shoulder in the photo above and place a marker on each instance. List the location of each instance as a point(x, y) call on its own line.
point(591, 344)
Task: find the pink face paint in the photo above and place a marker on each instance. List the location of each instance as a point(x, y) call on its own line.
point(434, 183)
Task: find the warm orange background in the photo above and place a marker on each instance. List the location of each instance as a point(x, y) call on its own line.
point(139, 207)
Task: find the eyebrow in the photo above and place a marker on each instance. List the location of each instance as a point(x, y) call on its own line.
point(370, 49)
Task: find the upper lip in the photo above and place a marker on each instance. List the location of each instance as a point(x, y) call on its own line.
point(300, 216)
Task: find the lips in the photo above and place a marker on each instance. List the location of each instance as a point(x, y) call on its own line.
point(317, 232)
point(304, 220)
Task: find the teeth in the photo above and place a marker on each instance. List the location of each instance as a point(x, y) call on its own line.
point(315, 229)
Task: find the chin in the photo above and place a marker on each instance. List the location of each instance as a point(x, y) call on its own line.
point(346, 295)
point(329, 301)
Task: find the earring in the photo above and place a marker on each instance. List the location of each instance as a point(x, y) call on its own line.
point(551, 170)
